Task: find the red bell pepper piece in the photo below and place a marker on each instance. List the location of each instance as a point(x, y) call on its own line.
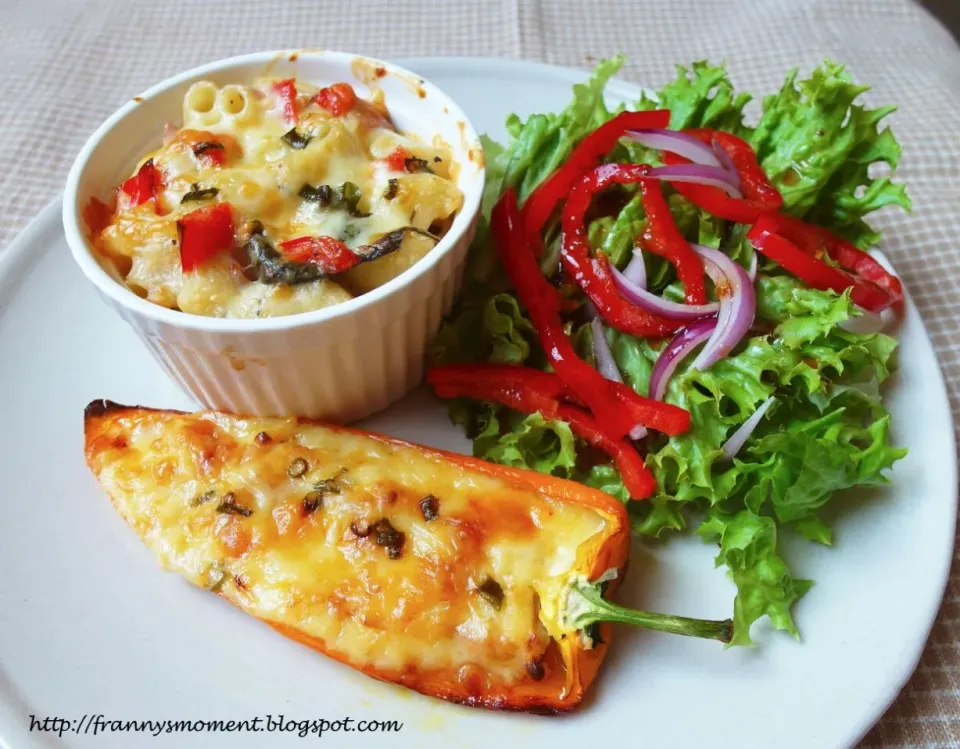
point(663, 417)
point(588, 153)
point(204, 233)
point(97, 216)
point(337, 99)
point(760, 196)
point(396, 160)
point(287, 91)
point(813, 271)
point(528, 391)
point(593, 274)
point(332, 255)
point(543, 304)
point(143, 185)
point(816, 240)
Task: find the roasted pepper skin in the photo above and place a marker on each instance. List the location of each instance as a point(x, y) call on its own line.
point(569, 666)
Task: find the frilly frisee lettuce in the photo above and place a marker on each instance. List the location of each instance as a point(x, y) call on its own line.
point(828, 429)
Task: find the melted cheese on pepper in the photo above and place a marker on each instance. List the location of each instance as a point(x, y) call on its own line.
point(260, 175)
point(231, 504)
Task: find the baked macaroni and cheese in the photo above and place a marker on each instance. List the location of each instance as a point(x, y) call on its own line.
point(274, 199)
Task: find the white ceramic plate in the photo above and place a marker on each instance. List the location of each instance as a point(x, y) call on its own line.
point(89, 624)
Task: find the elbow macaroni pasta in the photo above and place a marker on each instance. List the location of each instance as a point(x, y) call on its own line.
point(287, 169)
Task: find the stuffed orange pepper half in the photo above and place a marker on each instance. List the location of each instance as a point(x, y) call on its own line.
point(468, 581)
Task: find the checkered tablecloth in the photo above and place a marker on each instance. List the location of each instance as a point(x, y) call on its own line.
point(66, 64)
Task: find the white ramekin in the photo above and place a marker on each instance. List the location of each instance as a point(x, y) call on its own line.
point(340, 363)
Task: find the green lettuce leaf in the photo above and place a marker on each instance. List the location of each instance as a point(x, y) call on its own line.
point(532, 442)
point(797, 470)
point(765, 587)
point(544, 141)
point(487, 329)
point(701, 96)
point(817, 146)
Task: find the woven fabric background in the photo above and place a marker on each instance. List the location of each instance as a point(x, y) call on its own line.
point(67, 64)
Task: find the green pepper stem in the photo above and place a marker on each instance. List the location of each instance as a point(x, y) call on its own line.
point(586, 606)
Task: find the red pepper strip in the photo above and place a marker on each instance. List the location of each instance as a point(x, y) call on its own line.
point(204, 233)
point(637, 480)
point(287, 91)
point(593, 274)
point(587, 154)
point(529, 399)
point(332, 255)
point(760, 196)
point(754, 182)
point(662, 237)
point(815, 240)
point(508, 375)
point(812, 271)
point(143, 185)
point(543, 304)
point(337, 99)
point(657, 415)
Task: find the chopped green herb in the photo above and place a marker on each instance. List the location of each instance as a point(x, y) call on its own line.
point(202, 499)
point(491, 591)
point(196, 193)
point(430, 507)
point(349, 197)
point(295, 140)
point(414, 165)
point(312, 502)
point(389, 537)
point(297, 468)
point(349, 231)
point(216, 576)
point(207, 145)
point(393, 187)
point(322, 194)
point(331, 485)
point(228, 506)
point(344, 198)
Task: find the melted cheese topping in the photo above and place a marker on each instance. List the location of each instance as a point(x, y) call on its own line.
point(260, 175)
point(275, 552)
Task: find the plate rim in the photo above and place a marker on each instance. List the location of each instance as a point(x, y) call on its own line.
point(18, 257)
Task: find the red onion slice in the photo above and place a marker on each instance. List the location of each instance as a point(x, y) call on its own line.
point(733, 445)
point(679, 347)
point(679, 143)
point(726, 162)
point(738, 305)
point(712, 176)
point(636, 270)
point(658, 305)
point(607, 365)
